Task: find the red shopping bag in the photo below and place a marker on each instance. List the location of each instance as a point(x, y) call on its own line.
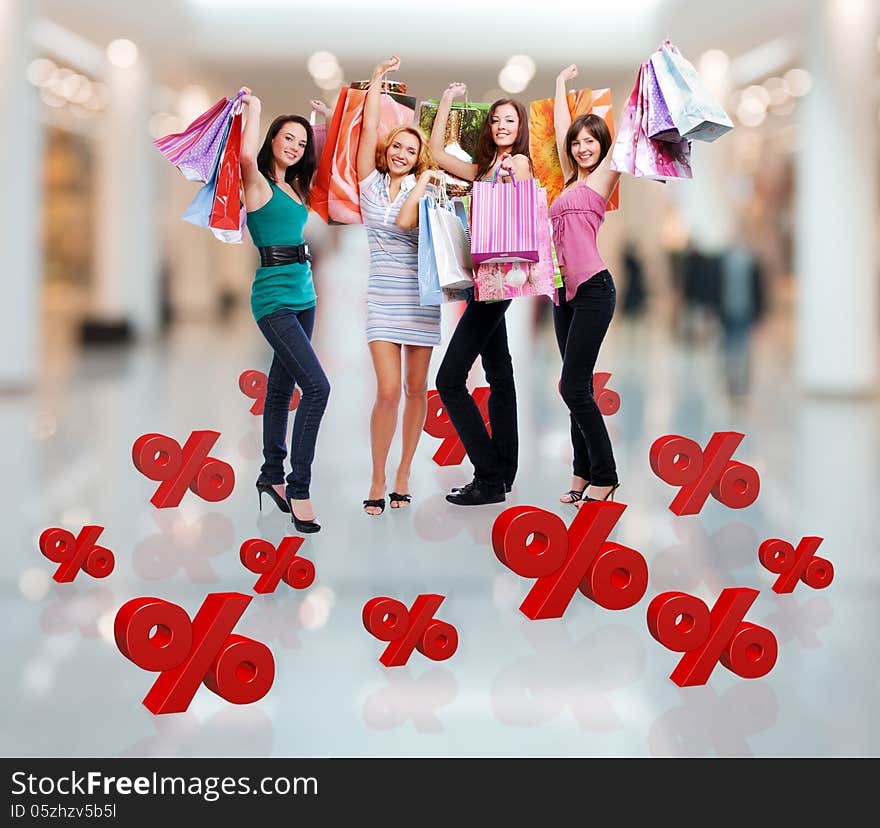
point(319, 197)
point(226, 207)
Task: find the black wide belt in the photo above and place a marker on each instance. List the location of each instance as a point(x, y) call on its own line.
point(283, 254)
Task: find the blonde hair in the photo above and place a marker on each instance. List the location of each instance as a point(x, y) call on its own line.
point(423, 161)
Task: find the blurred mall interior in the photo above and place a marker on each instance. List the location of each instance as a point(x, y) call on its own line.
point(118, 318)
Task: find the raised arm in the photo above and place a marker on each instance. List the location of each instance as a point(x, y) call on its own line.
point(453, 165)
point(408, 217)
point(366, 156)
point(321, 108)
point(256, 189)
point(562, 118)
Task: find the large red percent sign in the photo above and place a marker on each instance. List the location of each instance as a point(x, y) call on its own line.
point(158, 636)
point(684, 624)
point(790, 564)
point(415, 628)
point(273, 564)
point(681, 462)
point(161, 458)
point(74, 554)
point(567, 559)
point(437, 424)
point(253, 384)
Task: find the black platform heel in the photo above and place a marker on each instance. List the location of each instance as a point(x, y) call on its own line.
point(280, 502)
point(304, 526)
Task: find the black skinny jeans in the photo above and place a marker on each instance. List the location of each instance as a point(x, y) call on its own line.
point(481, 332)
point(580, 328)
point(289, 332)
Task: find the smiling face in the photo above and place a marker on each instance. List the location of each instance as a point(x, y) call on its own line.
point(289, 144)
point(505, 126)
point(585, 149)
point(402, 154)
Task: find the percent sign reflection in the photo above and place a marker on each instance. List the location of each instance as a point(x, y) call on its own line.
point(681, 462)
point(684, 624)
point(437, 424)
point(74, 554)
point(607, 400)
point(409, 629)
point(158, 636)
point(565, 559)
point(161, 458)
point(253, 384)
point(790, 564)
point(273, 565)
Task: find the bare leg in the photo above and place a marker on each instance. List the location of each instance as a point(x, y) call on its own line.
point(383, 421)
point(415, 409)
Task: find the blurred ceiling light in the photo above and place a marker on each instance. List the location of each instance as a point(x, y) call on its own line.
point(69, 87)
point(785, 108)
point(332, 83)
point(799, 81)
point(162, 124)
point(50, 98)
point(525, 63)
point(33, 584)
point(750, 117)
point(122, 53)
point(513, 79)
point(39, 71)
point(763, 60)
point(323, 65)
point(757, 93)
point(714, 63)
point(778, 90)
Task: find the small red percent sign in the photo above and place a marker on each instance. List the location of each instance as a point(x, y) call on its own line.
point(159, 637)
point(161, 458)
point(273, 565)
point(781, 558)
point(565, 559)
point(437, 424)
point(684, 624)
point(253, 384)
point(74, 554)
point(681, 462)
point(416, 628)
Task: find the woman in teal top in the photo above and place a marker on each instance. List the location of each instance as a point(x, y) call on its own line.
point(276, 180)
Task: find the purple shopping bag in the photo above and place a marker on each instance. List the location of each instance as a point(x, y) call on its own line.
point(504, 221)
point(660, 124)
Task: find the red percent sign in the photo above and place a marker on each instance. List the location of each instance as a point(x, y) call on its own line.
point(260, 557)
point(684, 624)
point(253, 384)
point(77, 553)
point(567, 559)
point(681, 462)
point(161, 458)
point(437, 424)
point(781, 558)
point(185, 653)
point(607, 400)
point(415, 628)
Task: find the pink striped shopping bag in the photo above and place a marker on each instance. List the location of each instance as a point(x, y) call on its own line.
point(504, 221)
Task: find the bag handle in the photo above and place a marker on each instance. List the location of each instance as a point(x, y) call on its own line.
point(498, 170)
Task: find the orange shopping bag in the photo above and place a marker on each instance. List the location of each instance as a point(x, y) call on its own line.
point(542, 137)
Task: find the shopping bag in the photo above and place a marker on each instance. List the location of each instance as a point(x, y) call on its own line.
point(336, 182)
point(197, 161)
point(658, 160)
point(508, 280)
point(450, 244)
point(226, 204)
point(660, 124)
point(542, 137)
point(503, 221)
point(461, 137)
point(430, 291)
point(177, 145)
point(693, 110)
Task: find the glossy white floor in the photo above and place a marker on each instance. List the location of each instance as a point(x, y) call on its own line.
point(594, 683)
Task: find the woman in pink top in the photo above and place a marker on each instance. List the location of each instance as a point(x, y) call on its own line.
point(587, 298)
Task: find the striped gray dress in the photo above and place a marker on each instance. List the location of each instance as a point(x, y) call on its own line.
point(393, 310)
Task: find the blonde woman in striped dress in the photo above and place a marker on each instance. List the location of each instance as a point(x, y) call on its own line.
point(401, 333)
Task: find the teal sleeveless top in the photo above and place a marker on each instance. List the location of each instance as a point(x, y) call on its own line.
point(280, 221)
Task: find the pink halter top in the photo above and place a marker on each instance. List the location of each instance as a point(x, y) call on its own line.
point(576, 217)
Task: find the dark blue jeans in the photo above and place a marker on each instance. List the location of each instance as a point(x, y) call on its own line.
point(481, 332)
point(580, 327)
point(295, 363)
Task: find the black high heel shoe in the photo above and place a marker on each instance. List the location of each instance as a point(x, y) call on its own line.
point(267, 488)
point(609, 496)
point(304, 526)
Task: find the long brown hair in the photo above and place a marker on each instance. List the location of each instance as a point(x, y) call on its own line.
point(300, 173)
point(597, 127)
point(486, 149)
